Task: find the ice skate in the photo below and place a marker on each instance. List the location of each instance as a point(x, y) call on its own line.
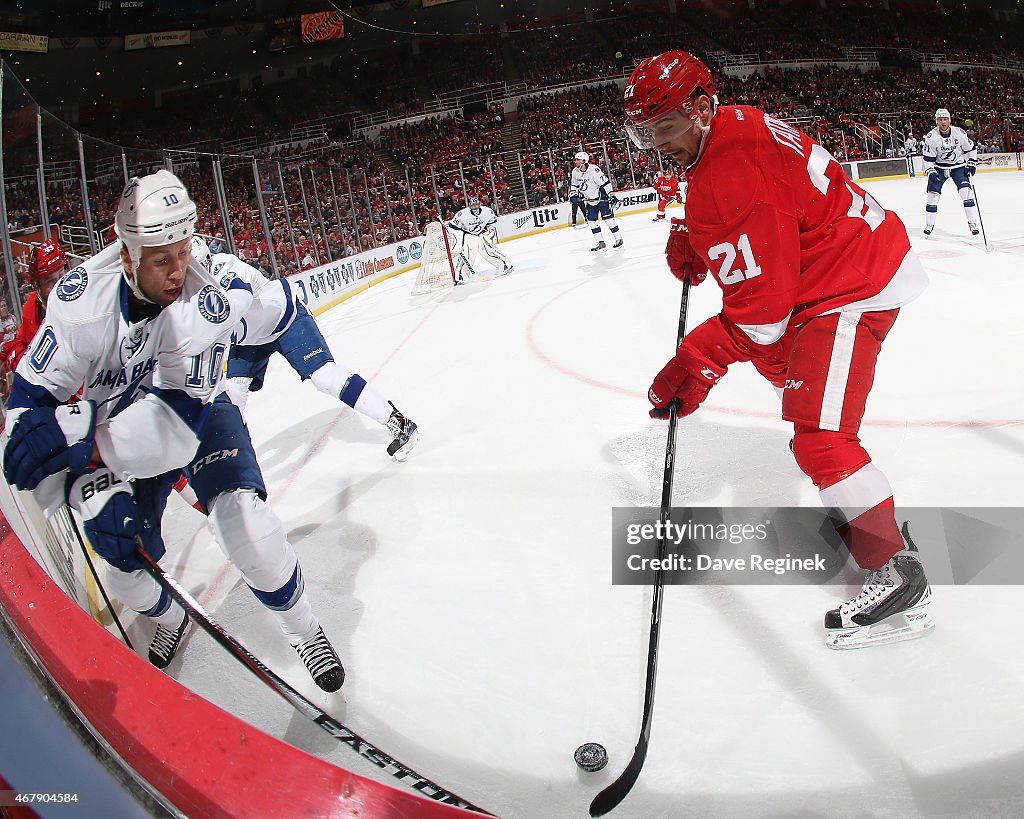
point(974, 228)
point(928, 230)
point(892, 605)
point(320, 659)
point(404, 431)
point(658, 219)
point(599, 246)
point(618, 243)
point(165, 643)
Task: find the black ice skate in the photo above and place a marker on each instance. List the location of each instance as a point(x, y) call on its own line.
point(322, 662)
point(892, 605)
point(928, 230)
point(974, 228)
point(599, 246)
point(618, 242)
point(165, 643)
point(404, 431)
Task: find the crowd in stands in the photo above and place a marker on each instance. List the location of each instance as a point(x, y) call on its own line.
point(331, 192)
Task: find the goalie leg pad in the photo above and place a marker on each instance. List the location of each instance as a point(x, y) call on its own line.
point(489, 248)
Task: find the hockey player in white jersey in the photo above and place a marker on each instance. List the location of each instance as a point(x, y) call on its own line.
point(141, 330)
point(475, 231)
point(589, 182)
point(279, 323)
point(949, 152)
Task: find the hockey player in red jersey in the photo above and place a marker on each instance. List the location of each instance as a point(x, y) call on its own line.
point(47, 263)
point(813, 272)
point(666, 185)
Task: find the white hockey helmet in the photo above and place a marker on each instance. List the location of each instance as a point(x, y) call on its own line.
point(942, 113)
point(154, 210)
point(201, 251)
point(582, 156)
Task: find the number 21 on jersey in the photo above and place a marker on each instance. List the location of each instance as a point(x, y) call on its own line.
point(727, 252)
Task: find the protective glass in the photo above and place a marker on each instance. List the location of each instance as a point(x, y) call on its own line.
point(660, 131)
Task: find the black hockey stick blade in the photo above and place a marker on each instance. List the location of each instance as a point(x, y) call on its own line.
point(608, 799)
point(344, 735)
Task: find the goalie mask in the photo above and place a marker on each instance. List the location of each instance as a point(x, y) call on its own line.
point(660, 95)
point(154, 211)
point(474, 205)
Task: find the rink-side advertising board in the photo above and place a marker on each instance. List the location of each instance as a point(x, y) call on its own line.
point(914, 166)
point(323, 287)
point(557, 214)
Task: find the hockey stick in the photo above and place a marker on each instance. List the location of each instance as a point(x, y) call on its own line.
point(977, 207)
point(96, 577)
point(344, 735)
point(611, 796)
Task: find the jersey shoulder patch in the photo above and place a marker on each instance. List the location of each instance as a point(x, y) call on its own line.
point(212, 305)
point(72, 284)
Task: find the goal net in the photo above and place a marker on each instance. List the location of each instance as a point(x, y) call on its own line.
point(437, 267)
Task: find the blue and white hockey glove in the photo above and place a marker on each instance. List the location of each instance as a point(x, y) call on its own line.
point(972, 168)
point(48, 440)
point(113, 519)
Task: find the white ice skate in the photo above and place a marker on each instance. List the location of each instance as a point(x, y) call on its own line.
point(892, 605)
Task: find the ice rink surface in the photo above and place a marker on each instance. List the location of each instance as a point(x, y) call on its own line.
point(468, 590)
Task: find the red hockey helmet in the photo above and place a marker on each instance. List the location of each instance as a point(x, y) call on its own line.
point(46, 259)
point(663, 85)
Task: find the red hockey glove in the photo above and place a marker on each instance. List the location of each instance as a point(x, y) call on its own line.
point(684, 263)
point(689, 376)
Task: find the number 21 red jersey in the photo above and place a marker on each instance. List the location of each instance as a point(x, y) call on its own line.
point(785, 231)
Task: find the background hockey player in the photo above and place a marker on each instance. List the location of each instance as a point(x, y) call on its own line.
point(279, 323)
point(46, 264)
point(596, 191)
point(577, 207)
point(666, 185)
point(949, 152)
point(475, 230)
point(144, 329)
point(813, 274)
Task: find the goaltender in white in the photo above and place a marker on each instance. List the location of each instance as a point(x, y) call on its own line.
point(475, 232)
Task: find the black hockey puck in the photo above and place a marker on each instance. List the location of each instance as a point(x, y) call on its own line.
point(591, 756)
